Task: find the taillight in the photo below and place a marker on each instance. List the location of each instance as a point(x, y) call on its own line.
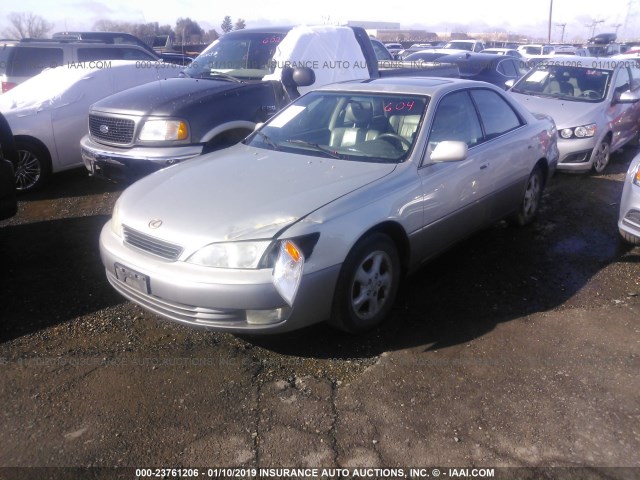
point(6, 86)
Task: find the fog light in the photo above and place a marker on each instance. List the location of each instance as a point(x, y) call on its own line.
point(266, 317)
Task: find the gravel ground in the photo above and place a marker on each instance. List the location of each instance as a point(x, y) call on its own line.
point(89, 379)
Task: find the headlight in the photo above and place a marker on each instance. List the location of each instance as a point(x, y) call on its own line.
point(116, 222)
point(582, 131)
point(636, 177)
point(287, 272)
point(231, 254)
point(164, 130)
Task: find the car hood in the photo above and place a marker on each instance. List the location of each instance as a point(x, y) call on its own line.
point(565, 113)
point(164, 97)
point(240, 193)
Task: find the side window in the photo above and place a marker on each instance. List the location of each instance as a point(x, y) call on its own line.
point(101, 53)
point(508, 68)
point(96, 53)
point(27, 62)
point(635, 77)
point(496, 114)
point(456, 119)
point(623, 82)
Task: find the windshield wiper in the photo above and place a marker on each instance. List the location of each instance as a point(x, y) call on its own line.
point(217, 75)
point(267, 140)
point(320, 148)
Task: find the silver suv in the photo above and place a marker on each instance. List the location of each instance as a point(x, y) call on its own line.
point(20, 60)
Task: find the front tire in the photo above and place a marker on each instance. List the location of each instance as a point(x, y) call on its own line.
point(530, 204)
point(33, 167)
point(601, 156)
point(367, 285)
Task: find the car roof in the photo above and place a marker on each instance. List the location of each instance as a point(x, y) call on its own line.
point(405, 85)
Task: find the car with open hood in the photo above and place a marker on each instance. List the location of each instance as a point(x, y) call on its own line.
point(322, 210)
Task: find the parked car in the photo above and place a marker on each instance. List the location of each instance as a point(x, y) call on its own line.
point(511, 52)
point(318, 214)
point(428, 55)
point(116, 38)
point(394, 48)
point(532, 51)
point(8, 155)
point(242, 79)
point(565, 50)
point(382, 54)
point(466, 45)
point(594, 102)
point(48, 113)
point(485, 67)
point(629, 216)
point(21, 60)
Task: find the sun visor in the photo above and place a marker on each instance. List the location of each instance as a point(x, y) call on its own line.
point(332, 52)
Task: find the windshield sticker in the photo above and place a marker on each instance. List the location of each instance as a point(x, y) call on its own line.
point(538, 77)
point(286, 116)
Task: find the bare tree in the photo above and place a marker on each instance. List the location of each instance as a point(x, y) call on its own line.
point(27, 25)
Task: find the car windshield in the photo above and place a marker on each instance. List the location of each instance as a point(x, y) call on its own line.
point(350, 126)
point(460, 45)
point(242, 55)
point(569, 83)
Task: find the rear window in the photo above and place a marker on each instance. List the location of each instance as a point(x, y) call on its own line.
point(5, 51)
point(29, 61)
point(98, 53)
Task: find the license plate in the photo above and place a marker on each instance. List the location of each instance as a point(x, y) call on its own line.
point(135, 280)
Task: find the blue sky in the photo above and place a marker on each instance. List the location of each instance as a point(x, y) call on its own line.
point(529, 17)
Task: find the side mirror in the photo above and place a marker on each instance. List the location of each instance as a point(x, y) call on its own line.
point(292, 78)
point(630, 96)
point(449, 151)
point(304, 76)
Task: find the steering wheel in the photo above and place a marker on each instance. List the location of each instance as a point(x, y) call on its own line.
point(397, 139)
point(590, 94)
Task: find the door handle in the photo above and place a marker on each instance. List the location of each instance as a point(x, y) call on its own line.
point(482, 167)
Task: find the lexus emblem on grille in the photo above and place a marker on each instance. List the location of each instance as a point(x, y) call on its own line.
point(154, 224)
point(104, 129)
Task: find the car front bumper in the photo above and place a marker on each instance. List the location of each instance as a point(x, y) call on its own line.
point(576, 155)
point(237, 301)
point(126, 164)
point(629, 216)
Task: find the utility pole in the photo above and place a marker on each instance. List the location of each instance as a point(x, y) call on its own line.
point(593, 26)
point(550, 15)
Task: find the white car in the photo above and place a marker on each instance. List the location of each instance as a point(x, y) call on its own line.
point(48, 112)
point(629, 217)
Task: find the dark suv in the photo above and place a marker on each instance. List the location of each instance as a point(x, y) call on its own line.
point(20, 60)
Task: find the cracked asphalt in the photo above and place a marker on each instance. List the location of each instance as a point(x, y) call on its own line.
point(517, 348)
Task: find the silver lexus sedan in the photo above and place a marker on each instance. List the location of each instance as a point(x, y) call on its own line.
point(318, 214)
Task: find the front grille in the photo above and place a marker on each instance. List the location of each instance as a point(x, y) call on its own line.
point(111, 129)
point(151, 244)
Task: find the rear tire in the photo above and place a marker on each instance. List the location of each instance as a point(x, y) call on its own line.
point(530, 204)
point(367, 285)
point(33, 167)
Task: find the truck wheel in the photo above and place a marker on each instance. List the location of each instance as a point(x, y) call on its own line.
point(33, 168)
point(367, 285)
